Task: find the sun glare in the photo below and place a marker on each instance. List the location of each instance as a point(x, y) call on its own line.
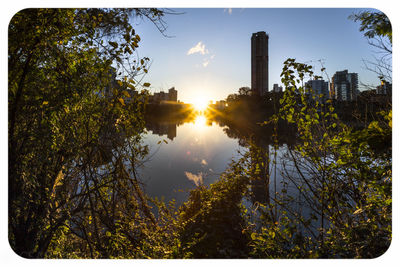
point(200, 104)
point(200, 121)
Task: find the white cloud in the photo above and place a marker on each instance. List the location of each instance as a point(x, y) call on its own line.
point(199, 48)
point(207, 61)
point(197, 179)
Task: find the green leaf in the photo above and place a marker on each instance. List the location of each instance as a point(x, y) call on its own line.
point(126, 94)
point(113, 44)
point(253, 236)
point(272, 234)
point(340, 162)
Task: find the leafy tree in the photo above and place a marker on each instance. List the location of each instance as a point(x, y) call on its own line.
point(374, 24)
point(75, 125)
point(244, 91)
point(336, 196)
point(213, 223)
point(75, 119)
point(378, 29)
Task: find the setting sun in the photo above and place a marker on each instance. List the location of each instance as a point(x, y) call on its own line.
point(200, 104)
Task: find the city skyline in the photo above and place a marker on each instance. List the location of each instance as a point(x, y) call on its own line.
point(207, 62)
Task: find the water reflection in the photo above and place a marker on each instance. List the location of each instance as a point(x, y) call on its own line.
point(201, 148)
point(160, 129)
point(260, 171)
point(197, 179)
point(200, 122)
point(204, 146)
point(198, 154)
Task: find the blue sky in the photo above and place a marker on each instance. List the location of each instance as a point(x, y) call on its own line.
point(219, 62)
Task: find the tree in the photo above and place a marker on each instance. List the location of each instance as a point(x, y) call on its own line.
point(377, 28)
point(212, 220)
point(244, 91)
point(74, 140)
point(336, 188)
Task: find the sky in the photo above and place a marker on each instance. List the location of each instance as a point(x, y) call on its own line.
point(207, 53)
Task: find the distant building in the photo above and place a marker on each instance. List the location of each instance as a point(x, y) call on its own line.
point(162, 96)
point(173, 94)
point(118, 85)
point(277, 88)
point(344, 86)
point(320, 89)
point(107, 90)
point(384, 89)
point(259, 63)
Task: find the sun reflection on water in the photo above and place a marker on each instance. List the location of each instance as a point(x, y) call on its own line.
point(200, 121)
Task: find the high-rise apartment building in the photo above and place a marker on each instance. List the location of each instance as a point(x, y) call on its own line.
point(344, 86)
point(259, 63)
point(320, 89)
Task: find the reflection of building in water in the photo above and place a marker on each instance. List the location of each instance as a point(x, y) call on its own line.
point(160, 129)
point(171, 96)
point(260, 166)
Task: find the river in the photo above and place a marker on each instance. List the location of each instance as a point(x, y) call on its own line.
point(187, 153)
point(184, 156)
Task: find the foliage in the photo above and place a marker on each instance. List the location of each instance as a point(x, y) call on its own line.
point(374, 24)
point(378, 29)
point(340, 178)
point(75, 125)
point(213, 220)
point(75, 119)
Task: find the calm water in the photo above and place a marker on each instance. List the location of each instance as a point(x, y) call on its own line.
point(196, 152)
point(187, 154)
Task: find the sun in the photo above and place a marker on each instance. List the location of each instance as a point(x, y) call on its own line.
point(200, 104)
